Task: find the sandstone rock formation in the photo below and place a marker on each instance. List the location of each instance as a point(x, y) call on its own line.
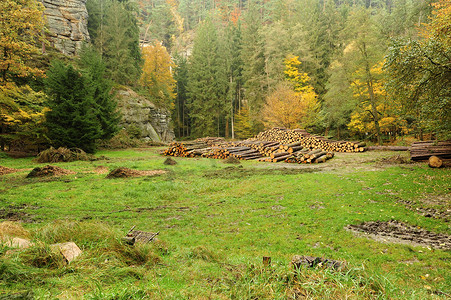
point(67, 21)
point(153, 122)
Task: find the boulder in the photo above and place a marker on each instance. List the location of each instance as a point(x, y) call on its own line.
point(69, 250)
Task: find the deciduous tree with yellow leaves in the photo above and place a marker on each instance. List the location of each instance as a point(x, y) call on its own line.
point(21, 116)
point(21, 28)
point(286, 108)
point(293, 103)
point(157, 77)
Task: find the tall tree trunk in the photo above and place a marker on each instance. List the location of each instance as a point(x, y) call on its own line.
point(226, 128)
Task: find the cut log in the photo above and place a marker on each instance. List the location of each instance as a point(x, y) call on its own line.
point(281, 158)
point(435, 162)
point(321, 159)
point(275, 155)
point(294, 149)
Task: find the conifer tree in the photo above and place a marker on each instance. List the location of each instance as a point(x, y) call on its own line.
point(243, 129)
point(207, 84)
point(72, 120)
point(114, 31)
point(94, 68)
point(232, 47)
point(255, 81)
point(181, 113)
point(323, 21)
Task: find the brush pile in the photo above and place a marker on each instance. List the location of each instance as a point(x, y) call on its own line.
point(48, 171)
point(274, 145)
point(62, 154)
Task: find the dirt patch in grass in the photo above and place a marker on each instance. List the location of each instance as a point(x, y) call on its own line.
point(5, 170)
point(239, 172)
point(126, 173)
point(431, 206)
point(396, 159)
point(17, 213)
point(400, 233)
point(48, 171)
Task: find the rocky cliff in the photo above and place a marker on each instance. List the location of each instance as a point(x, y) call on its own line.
point(67, 22)
point(152, 122)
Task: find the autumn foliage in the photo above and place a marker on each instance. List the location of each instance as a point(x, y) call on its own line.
point(293, 103)
point(287, 108)
point(157, 77)
point(21, 27)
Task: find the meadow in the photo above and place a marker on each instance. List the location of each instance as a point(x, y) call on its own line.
point(217, 221)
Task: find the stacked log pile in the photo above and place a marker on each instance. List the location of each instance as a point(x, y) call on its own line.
point(286, 136)
point(275, 145)
point(425, 149)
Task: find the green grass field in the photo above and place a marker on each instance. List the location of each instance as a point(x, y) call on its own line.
point(217, 221)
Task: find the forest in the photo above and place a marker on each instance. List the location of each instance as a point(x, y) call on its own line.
point(376, 70)
point(289, 176)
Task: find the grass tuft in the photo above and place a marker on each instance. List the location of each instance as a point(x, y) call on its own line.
point(12, 229)
point(42, 256)
point(12, 272)
point(84, 234)
point(202, 252)
point(118, 293)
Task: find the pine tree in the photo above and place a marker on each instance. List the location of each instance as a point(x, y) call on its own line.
point(252, 55)
point(323, 21)
point(72, 120)
point(243, 129)
point(114, 31)
point(106, 106)
point(207, 84)
point(162, 25)
point(180, 113)
point(232, 44)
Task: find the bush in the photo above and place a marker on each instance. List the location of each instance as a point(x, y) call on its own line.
point(134, 131)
